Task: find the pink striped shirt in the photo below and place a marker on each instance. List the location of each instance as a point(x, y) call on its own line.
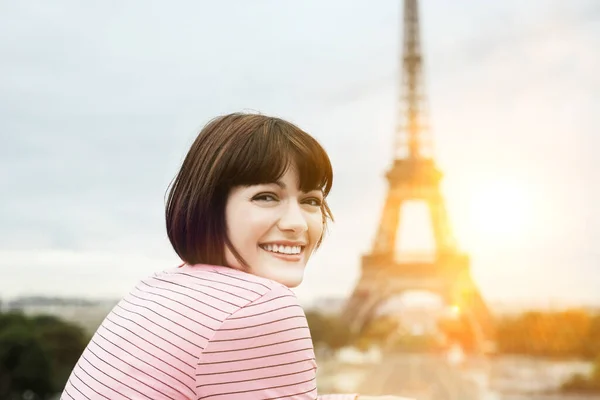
point(200, 332)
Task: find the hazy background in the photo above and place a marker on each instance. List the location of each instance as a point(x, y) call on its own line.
point(99, 103)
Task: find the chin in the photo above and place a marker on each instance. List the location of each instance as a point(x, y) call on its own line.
point(288, 274)
point(290, 280)
point(292, 283)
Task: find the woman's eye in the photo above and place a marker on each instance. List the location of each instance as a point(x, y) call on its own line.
point(313, 201)
point(265, 197)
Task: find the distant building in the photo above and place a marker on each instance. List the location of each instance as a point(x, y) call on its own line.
point(88, 314)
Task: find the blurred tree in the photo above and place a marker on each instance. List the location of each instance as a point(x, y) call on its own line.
point(37, 353)
point(570, 333)
point(63, 343)
point(591, 347)
point(381, 329)
point(23, 362)
point(327, 330)
point(12, 319)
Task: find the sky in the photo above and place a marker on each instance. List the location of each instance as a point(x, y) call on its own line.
point(99, 102)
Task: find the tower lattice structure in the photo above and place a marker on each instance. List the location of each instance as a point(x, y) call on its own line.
point(414, 176)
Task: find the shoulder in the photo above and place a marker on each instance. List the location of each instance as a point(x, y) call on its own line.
point(236, 288)
point(268, 301)
point(225, 275)
point(275, 317)
point(278, 302)
point(263, 350)
point(273, 326)
point(230, 290)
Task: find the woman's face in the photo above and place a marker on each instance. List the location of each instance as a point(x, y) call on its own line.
point(274, 227)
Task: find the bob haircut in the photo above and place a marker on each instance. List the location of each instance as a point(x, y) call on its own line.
point(236, 150)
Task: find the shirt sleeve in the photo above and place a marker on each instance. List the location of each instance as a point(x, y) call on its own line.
point(263, 351)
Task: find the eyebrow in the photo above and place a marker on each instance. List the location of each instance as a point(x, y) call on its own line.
point(283, 186)
point(280, 184)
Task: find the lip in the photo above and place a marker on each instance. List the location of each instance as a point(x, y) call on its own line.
point(286, 257)
point(284, 243)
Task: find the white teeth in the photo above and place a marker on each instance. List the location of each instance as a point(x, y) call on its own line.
point(282, 249)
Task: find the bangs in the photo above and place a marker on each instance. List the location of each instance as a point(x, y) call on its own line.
point(265, 155)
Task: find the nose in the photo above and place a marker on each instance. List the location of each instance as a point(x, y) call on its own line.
point(293, 218)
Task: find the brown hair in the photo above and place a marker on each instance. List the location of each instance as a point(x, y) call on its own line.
point(236, 150)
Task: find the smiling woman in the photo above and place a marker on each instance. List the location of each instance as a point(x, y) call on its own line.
point(237, 156)
point(245, 213)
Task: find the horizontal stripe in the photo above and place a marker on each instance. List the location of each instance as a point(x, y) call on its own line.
point(200, 332)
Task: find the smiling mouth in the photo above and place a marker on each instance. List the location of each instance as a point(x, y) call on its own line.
point(283, 250)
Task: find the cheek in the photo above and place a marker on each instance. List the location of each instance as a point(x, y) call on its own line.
point(315, 227)
point(237, 226)
point(248, 225)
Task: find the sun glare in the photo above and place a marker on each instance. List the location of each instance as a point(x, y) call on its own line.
point(500, 209)
point(483, 214)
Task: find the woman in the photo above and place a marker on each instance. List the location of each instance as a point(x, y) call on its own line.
point(245, 213)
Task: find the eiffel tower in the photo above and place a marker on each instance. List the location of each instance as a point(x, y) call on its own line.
point(414, 176)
